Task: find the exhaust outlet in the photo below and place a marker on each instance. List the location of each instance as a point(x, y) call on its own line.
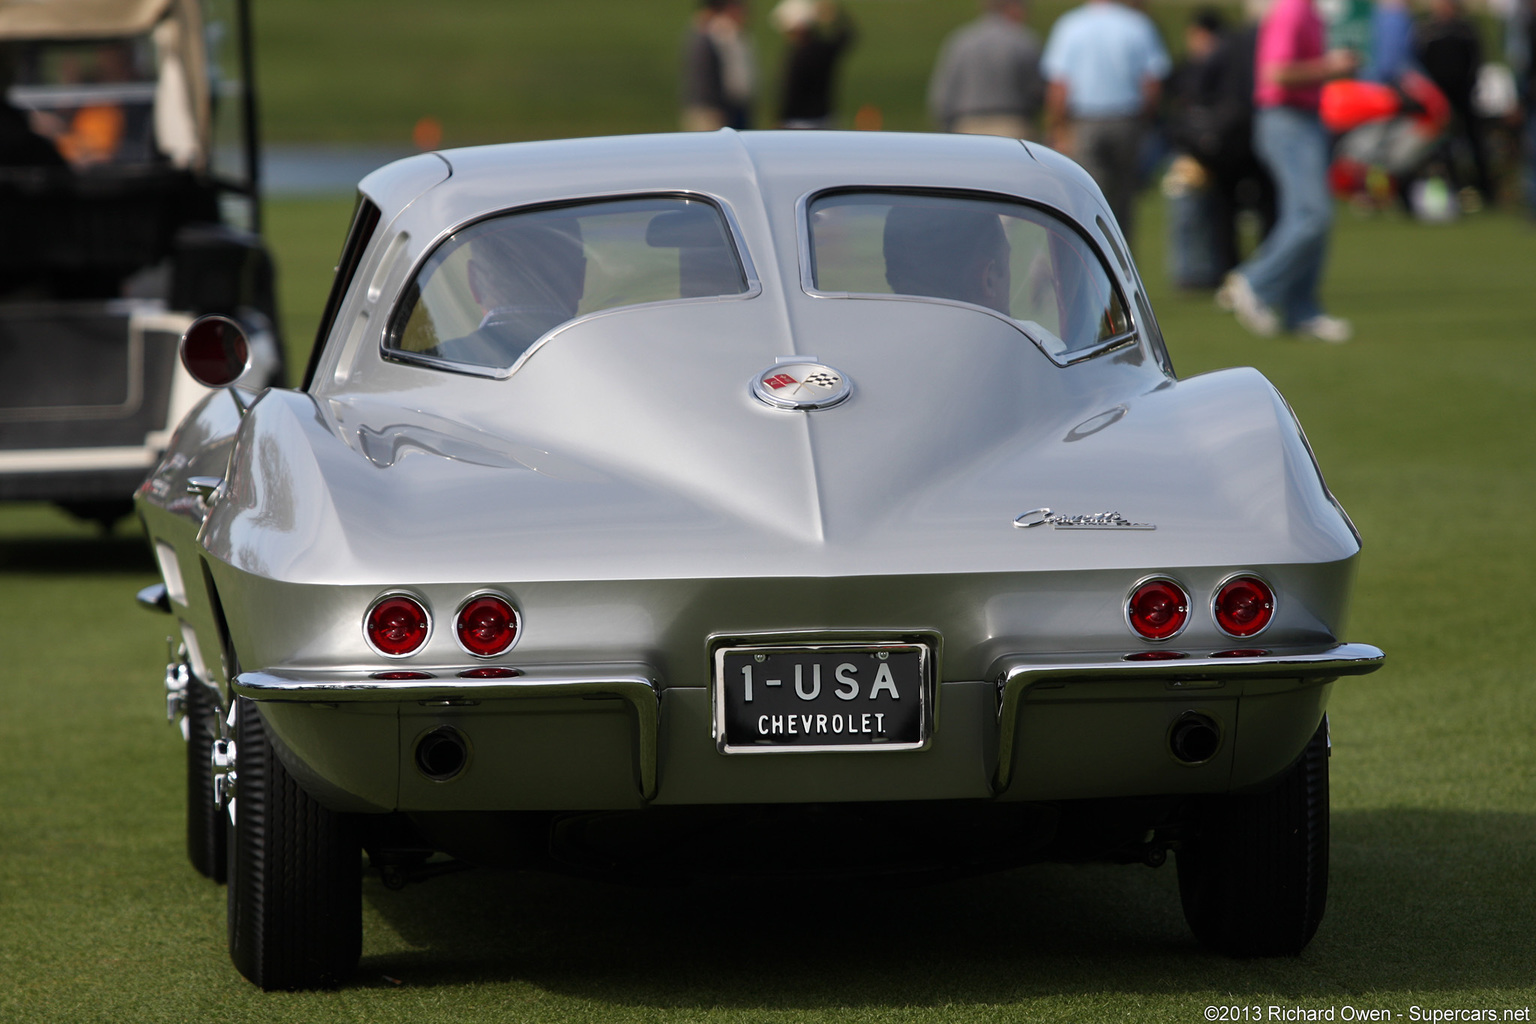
point(442, 754)
point(1194, 738)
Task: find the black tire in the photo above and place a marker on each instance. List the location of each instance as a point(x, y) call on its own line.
point(1253, 877)
point(206, 832)
point(295, 874)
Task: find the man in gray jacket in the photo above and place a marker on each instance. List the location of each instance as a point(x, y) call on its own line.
point(987, 79)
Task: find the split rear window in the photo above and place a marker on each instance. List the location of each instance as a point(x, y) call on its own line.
point(494, 288)
point(1016, 260)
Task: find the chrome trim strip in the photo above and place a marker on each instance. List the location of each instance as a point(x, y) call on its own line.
point(155, 598)
point(634, 684)
point(1017, 674)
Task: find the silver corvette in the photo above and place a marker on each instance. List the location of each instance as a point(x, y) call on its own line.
point(745, 503)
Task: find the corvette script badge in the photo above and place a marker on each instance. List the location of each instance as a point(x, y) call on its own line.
point(1096, 521)
point(799, 382)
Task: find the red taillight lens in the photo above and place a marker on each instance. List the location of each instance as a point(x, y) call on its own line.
point(487, 626)
point(397, 626)
point(1244, 606)
point(1158, 609)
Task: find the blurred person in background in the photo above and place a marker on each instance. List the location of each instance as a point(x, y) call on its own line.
point(818, 33)
point(719, 72)
point(1210, 123)
point(987, 78)
point(1104, 65)
point(1278, 286)
point(1449, 50)
point(1391, 42)
point(1520, 47)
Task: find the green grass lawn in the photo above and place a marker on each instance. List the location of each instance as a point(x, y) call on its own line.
point(1424, 428)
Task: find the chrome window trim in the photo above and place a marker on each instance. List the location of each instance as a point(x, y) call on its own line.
point(808, 270)
point(1274, 597)
point(754, 284)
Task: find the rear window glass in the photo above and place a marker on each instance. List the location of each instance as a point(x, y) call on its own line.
point(493, 289)
point(1014, 259)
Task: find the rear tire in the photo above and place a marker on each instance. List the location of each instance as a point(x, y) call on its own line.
point(1253, 877)
point(206, 833)
point(295, 873)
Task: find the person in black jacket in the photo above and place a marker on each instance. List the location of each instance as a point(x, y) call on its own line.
point(719, 72)
point(818, 34)
point(1449, 50)
point(1212, 120)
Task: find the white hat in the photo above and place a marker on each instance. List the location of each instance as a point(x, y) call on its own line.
point(789, 15)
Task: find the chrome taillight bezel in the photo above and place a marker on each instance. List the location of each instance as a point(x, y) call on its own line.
point(1187, 607)
point(458, 617)
point(421, 604)
point(1274, 604)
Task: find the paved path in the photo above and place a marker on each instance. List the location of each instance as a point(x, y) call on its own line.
point(314, 170)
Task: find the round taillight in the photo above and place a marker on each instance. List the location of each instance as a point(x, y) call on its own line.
point(397, 626)
point(1244, 606)
point(1158, 609)
point(487, 626)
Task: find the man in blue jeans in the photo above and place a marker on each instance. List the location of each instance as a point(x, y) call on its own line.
point(1278, 285)
point(1104, 66)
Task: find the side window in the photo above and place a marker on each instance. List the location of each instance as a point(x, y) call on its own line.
point(490, 291)
point(365, 220)
point(1014, 259)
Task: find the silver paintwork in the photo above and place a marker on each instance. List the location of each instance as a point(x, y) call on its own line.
point(633, 536)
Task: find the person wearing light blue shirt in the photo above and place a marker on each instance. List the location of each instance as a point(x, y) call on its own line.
point(1104, 64)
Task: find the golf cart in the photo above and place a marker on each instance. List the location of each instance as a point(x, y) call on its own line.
point(129, 205)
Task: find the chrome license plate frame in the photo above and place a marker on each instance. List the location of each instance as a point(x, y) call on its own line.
point(823, 697)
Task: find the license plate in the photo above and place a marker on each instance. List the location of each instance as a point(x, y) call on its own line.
point(822, 697)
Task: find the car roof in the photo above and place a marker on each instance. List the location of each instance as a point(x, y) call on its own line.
point(744, 168)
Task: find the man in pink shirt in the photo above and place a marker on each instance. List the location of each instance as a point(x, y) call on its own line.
point(1278, 285)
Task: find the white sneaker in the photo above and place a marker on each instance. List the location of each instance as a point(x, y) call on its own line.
point(1251, 310)
point(1326, 328)
point(1247, 307)
point(1229, 285)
